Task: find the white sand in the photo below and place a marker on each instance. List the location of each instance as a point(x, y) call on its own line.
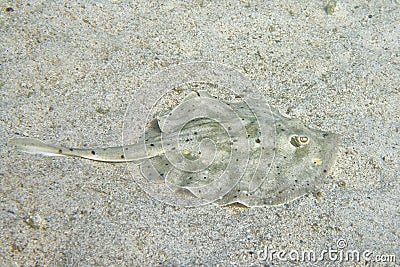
point(67, 75)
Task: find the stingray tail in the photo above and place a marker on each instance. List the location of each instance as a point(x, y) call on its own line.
point(34, 146)
point(133, 153)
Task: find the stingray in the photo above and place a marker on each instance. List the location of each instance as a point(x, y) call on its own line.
point(206, 150)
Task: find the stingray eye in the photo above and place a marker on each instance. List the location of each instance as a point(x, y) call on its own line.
point(299, 141)
point(303, 140)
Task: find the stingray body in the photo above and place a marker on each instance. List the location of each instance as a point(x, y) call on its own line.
point(222, 152)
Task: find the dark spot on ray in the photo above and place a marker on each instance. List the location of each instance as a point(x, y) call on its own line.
point(93, 152)
point(122, 156)
point(151, 144)
point(60, 151)
point(258, 140)
point(71, 149)
point(325, 170)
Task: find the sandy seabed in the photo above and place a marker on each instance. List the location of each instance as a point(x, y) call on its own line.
point(70, 69)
